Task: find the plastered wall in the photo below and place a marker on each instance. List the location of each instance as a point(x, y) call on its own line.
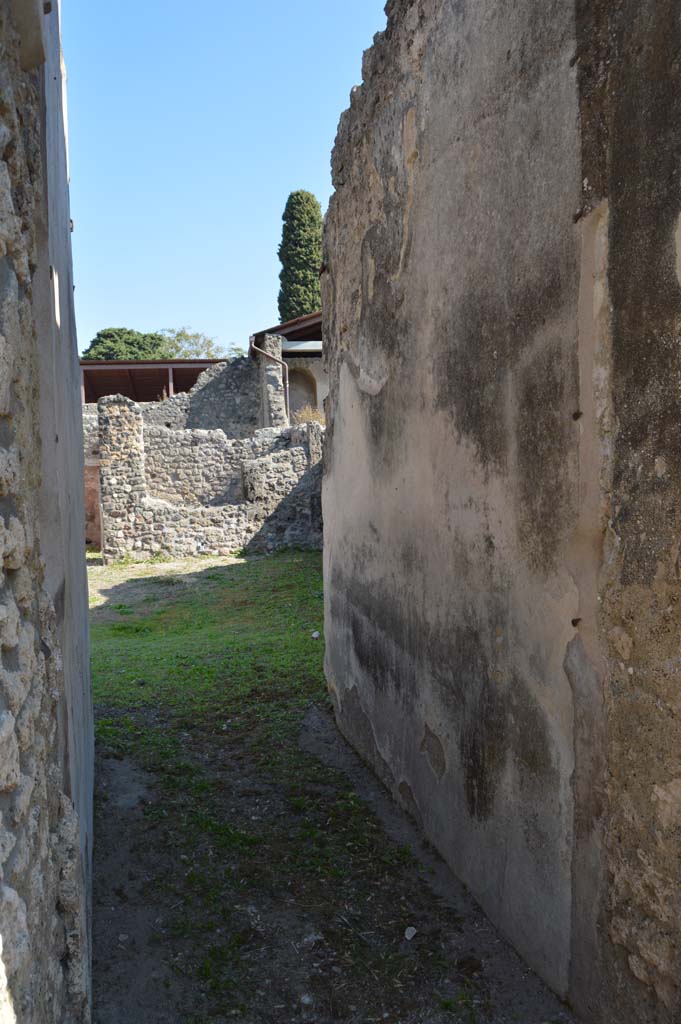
point(501, 496)
point(316, 379)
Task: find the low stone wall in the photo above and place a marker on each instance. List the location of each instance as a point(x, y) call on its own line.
point(189, 492)
point(197, 441)
point(202, 467)
point(173, 412)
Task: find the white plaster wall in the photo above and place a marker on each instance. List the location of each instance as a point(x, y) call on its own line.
point(62, 507)
point(316, 367)
point(451, 470)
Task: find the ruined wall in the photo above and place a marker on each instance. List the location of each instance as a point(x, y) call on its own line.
point(230, 401)
point(501, 499)
point(172, 412)
point(272, 397)
point(45, 713)
point(93, 532)
point(202, 467)
point(182, 493)
point(227, 396)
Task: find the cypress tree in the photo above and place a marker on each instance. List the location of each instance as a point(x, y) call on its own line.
point(300, 253)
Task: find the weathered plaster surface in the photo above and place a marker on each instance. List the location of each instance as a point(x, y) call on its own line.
point(314, 369)
point(45, 714)
point(501, 507)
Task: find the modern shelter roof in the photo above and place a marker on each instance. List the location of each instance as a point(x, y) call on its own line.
point(303, 328)
point(143, 381)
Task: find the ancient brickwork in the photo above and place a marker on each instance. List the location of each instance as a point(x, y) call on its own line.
point(202, 467)
point(193, 449)
point(45, 716)
point(272, 398)
point(189, 492)
point(173, 412)
point(90, 430)
point(503, 471)
point(228, 396)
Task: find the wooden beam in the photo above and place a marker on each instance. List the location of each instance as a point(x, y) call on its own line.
point(114, 364)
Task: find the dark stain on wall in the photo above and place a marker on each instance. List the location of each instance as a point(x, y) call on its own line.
point(544, 435)
point(478, 343)
point(497, 722)
point(385, 324)
point(483, 747)
point(357, 726)
point(528, 737)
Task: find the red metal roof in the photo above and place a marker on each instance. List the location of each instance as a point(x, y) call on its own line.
point(144, 380)
point(303, 328)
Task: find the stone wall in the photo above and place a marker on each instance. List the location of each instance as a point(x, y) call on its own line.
point(230, 400)
point(272, 397)
point(227, 397)
point(45, 712)
point(188, 492)
point(93, 533)
point(202, 467)
point(172, 412)
point(237, 396)
point(502, 498)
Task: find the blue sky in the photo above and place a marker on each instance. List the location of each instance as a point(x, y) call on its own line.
point(189, 125)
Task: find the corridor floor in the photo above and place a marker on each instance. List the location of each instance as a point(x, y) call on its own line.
point(247, 865)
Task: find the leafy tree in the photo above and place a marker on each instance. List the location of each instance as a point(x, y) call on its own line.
point(123, 343)
point(183, 343)
point(300, 253)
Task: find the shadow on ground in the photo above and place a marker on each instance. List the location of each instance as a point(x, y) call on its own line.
point(247, 865)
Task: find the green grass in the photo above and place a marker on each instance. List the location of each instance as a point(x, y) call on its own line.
point(242, 644)
point(204, 680)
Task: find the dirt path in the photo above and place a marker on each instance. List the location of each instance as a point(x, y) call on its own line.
point(133, 981)
point(247, 865)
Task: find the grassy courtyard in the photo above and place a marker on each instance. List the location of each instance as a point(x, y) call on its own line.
point(241, 875)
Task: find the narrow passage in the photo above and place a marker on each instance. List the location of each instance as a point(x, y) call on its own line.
point(247, 866)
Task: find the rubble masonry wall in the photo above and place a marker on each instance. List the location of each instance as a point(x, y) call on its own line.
point(187, 492)
point(45, 710)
